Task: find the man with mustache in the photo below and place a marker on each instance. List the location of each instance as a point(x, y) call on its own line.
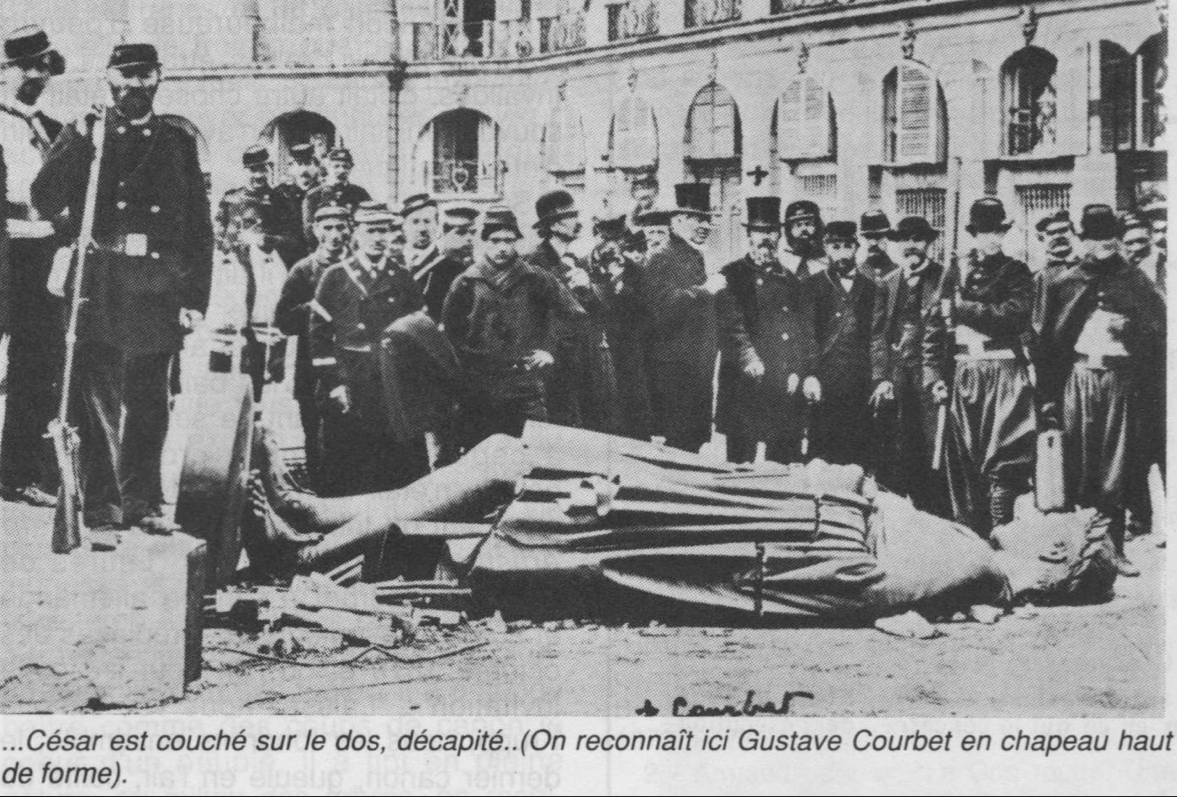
point(27, 470)
point(911, 365)
point(457, 254)
point(304, 176)
point(991, 436)
point(682, 342)
point(146, 283)
point(844, 299)
point(335, 189)
point(259, 196)
point(1057, 234)
point(874, 229)
point(768, 350)
point(803, 253)
point(1099, 347)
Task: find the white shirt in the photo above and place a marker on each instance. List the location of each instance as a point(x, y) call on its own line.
point(23, 161)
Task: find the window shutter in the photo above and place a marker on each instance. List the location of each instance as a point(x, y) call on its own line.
point(917, 115)
point(508, 10)
point(635, 141)
point(1071, 82)
point(803, 120)
point(572, 141)
point(816, 130)
point(488, 156)
point(791, 121)
point(424, 170)
point(408, 11)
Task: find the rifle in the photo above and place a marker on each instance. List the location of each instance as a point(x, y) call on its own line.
point(950, 268)
point(67, 523)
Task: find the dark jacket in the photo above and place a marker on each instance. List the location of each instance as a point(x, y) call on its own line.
point(496, 319)
point(294, 311)
point(435, 274)
point(766, 315)
point(996, 299)
point(350, 322)
point(347, 195)
point(843, 322)
point(5, 265)
point(153, 227)
point(928, 345)
point(282, 231)
point(682, 313)
point(1065, 299)
point(292, 240)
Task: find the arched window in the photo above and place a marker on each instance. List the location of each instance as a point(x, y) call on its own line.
point(1117, 103)
point(1030, 100)
point(805, 120)
point(633, 135)
point(1154, 75)
point(562, 142)
point(297, 127)
point(713, 126)
point(457, 155)
point(915, 116)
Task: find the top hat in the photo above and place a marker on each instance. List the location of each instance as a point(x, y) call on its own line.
point(459, 215)
point(553, 206)
point(841, 231)
point(800, 210)
point(256, 155)
point(874, 223)
point(987, 215)
point(913, 227)
point(30, 43)
point(1060, 216)
point(127, 55)
point(416, 202)
point(1098, 223)
point(302, 153)
point(332, 212)
point(693, 198)
point(341, 154)
point(372, 212)
point(764, 213)
point(498, 218)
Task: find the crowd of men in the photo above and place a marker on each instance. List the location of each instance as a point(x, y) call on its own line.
point(424, 329)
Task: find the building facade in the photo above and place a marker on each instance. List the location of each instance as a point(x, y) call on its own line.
point(898, 104)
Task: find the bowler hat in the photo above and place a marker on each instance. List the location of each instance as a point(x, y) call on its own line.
point(498, 218)
point(874, 223)
point(126, 55)
point(553, 206)
point(416, 202)
point(987, 215)
point(841, 231)
point(256, 155)
point(1129, 221)
point(764, 213)
point(801, 210)
point(1060, 216)
point(1098, 223)
point(1154, 206)
point(332, 212)
point(30, 43)
point(916, 227)
point(372, 212)
point(693, 198)
point(302, 153)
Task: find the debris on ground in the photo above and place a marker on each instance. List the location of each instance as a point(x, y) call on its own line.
point(909, 625)
point(985, 614)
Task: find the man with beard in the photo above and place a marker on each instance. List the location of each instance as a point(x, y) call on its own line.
point(617, 266)
point(355, 303)
point(293, 317)
point(1136, 241)
point(844, 300)
point(146, 283)
point(27, 469)
point(336, 189)
point(1057, 234)
point(991, 434)
point(505, 320)
point(304, 176)
point(803, 255)
point(1156, 211)
point(768, 351)
point(874, 229)
point(911, 365)
point(644, 190)
point(457, 254)
point(1099, 333)
point(654, 225)
point(682, 342)
point(259, 196)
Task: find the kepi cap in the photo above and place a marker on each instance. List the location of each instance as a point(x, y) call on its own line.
point(30, 43)
point(128, 55)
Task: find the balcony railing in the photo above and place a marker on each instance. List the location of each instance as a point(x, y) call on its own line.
point(701, 13)
point(456, 177)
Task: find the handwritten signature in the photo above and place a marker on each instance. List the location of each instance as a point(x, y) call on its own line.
point(681, 707)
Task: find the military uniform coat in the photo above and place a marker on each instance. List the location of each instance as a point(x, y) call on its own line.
point(435, 273)
point(682, 344)
point(765, 314)
point(293, 316)
point(153, 229)
point(347, 195)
